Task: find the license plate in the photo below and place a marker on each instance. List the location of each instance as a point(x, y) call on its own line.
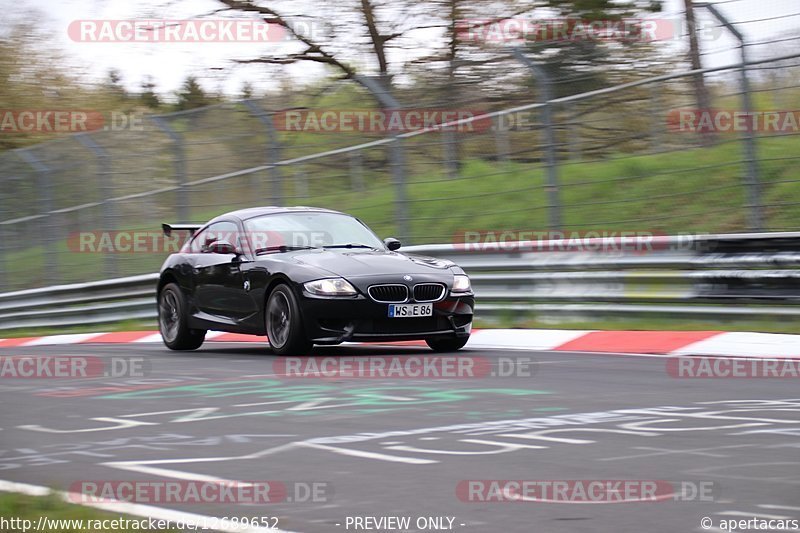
point(410, 310)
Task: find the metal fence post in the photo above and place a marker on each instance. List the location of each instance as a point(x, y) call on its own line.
point(273, 152)
point(451, 163)
point(5, 279)
point(756, 222)
point(656, 126)
point(182, 202)
point(104, 186)
point(573, 132)
point(502, 144)
point(356, 171)
point(397, 157)
point(47, 229)
point(543, 82)
point(398, 165)
point(300, 183)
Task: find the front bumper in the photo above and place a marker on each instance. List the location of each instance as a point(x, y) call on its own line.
point(331, 321)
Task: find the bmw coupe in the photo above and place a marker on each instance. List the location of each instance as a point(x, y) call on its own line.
point(304, 276)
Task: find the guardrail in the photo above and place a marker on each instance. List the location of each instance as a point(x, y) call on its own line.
point(710, 276)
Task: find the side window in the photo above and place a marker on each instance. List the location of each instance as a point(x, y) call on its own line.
point(196, 246)
point(219, 231)
point(257, 234)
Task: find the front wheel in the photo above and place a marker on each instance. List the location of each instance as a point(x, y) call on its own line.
point(447, 345)
point(284, 323)
point(172, 321)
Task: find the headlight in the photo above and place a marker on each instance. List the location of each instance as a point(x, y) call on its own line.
point(330, 287)
point(461, 283)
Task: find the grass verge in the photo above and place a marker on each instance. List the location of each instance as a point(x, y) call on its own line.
point(128, 325)
point(62, 517)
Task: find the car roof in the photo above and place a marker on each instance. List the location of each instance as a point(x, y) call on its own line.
point(252, 212)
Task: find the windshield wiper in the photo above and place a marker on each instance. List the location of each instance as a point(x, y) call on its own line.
point(350, 245)
point(283, 248)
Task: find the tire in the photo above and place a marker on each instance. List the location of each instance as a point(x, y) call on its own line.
point(284, 323)
point(447, 345)
point(173, 320)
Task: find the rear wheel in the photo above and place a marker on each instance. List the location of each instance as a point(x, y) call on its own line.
point(173, 321)
point(447, 345)
point(284, 323)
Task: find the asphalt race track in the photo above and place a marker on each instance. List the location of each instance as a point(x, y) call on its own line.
point(400, 447)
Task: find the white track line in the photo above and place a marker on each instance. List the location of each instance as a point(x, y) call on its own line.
point(134, 509)
point(70, 338)
point(153, 337)
point(754, 515)
point(368, 455)
point(779, 507)
point(522, 339)
point(745, 344)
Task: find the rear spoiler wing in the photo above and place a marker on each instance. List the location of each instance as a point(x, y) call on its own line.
point(169, 228)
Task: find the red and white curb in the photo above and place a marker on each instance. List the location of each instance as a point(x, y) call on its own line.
point(708, 343)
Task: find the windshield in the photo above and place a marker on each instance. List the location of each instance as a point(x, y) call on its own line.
point(309, 228)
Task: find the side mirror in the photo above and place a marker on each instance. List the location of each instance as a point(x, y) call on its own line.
point(392, 243)
point(221, 247)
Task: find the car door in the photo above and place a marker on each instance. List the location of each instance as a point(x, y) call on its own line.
point(219, 284)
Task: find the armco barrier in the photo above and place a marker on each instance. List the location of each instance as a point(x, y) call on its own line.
point(715, 277)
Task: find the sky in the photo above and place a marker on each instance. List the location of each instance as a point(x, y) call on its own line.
point(169, 64)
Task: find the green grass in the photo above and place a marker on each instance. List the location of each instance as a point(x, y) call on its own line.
point(54, 508)
point(128, 325)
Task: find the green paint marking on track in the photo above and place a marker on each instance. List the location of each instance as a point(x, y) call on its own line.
point(318, 398)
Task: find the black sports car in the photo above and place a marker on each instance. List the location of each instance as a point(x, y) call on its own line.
point(303, 276)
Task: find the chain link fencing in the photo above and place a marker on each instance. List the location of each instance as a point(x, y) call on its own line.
point(615, 159)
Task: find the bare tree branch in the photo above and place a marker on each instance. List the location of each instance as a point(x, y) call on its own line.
point(315, 52)
point(378, 40)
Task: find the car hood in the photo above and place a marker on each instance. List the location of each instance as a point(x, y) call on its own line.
point(355, 263)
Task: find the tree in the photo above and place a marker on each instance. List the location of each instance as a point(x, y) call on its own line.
point(416, 51)
point(191, 95)
point(148, 95)
point(33, 76)
point(247, 90)
point(389, 39)
point(114, 84)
